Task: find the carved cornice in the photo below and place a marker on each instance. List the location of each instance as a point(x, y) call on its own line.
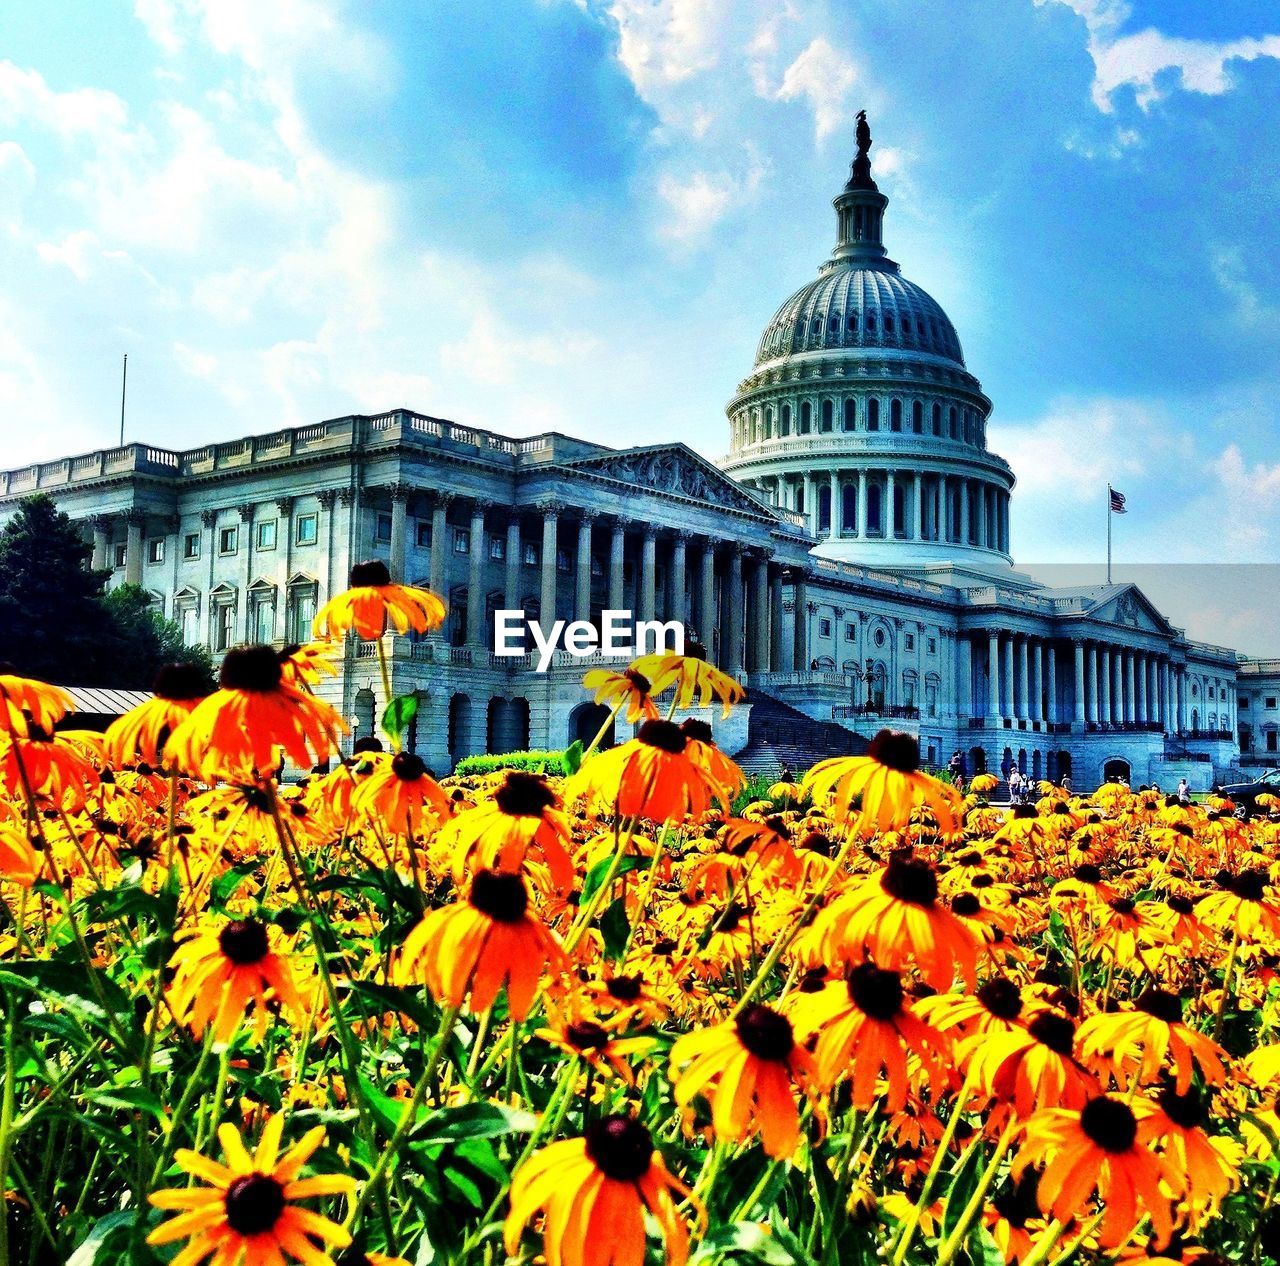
point(328, 498)
point(209, 518)
point(285, 505)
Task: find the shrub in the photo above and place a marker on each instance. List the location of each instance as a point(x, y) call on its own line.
point(530, 762)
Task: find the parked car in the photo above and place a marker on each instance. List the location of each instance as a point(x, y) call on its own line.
point(1246, 793)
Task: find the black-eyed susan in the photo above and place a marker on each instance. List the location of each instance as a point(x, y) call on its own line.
point(140, 734)
point(247, 1214)
point(703, 752)
point(308, 664)
point(29, 701)
point(1032, 1067)
point(750, 1070)
point(1175, 1121)
point(575, 1033)
point(629, 689)
point(650, 776)
point(401, 796)
point(374, 603)
point(221, 970)
point(48, 765)
point(20, 863)
point(882, 788)
point(695, 680)
point(474, 946)
point(1243, 907)
point(595, 1192)
point(251, 719)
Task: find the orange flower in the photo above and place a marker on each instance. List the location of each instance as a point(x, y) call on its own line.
point(27, 700)
point(373, 602)
point(630, 688)
point(140, 734)
point(402, 795)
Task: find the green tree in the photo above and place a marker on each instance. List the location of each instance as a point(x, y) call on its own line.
point(143, 641)
point(51, 612)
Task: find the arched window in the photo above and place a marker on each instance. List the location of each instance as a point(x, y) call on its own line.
point(806, 417)
point(768, 423)
point(833, 323)
point(824, 508)
point(849, 507)
point(937, 418)
point(799, 498)
point(826, 415)
point(895, 415)
point(850, 413)
point(874, 523)
point(917, 416)
point(786, 419)
point(953, 422)
point(888, 323)
point(873, 414)
point(871, 322)
point(852, 322)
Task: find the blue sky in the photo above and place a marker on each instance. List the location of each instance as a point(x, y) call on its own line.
point(579, 214)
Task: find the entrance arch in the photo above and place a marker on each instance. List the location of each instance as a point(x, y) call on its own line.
point(585, 722)
point(1116, 768)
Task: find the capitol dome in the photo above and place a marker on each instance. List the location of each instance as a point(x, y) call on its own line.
point(860, 415)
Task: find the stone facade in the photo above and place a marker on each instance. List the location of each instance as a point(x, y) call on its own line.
point(852, 557)
point(1258, 710)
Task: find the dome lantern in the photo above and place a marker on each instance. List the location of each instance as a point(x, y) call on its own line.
point(860, 211)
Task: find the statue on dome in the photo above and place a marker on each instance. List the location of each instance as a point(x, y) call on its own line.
point(861, 175)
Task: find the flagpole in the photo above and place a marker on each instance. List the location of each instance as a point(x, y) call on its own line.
point(1108, 534)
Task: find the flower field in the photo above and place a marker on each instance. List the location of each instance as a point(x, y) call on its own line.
point(628, 1015)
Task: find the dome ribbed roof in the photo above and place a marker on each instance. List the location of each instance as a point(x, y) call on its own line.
point(853, 305)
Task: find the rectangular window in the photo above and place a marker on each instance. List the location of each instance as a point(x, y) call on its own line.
point(562, 562)
point(191, 545)
point(224, 625)
point(302, 610)
point(121, 555)
point(265, 534)
point(851, 632)
point(189, 623)
point(461, 540)
point(383, 529)
point(1271, 701)
point(497, 549)
point(1271, 740)
point(530, 554)
point(228, 540)
point(155, 550)
point(306, 529)
point(264, 620)
point(422, 533)
point(933, 646)
point(824, 628)
point(1243, 703)
point(909, 641)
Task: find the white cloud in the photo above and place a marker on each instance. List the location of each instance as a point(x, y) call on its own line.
point(1256, 487)
point(663, 42)
point(1230, 272)
point(697, 203)
point(25, 97)
point(76, 252)
point(494, 352)
point(824, 77)
point(160, 19)
point(197, 364)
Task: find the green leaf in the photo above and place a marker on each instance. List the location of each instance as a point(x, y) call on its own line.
point(472, 1121)
point(747, 1240)
point(616, 928)
point(130, 1098)
point(963, 1184)
point(399, 715)
point(387, 1110)
point(595, 876)
point(573, 757)
point(105, 1241)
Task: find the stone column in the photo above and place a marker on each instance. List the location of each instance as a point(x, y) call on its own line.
point(833, 528)
point(209, 519)
point(800, 630)
point(1140, 668)
point(917, 508)
point(708, 625)
point(101, 524)
point(439, 544)
point(810, 504)
point(582, 590)
point(617, 558)
point(984, 527)
point(1051, 684)
point(511, 579)
point(758, 627)
point(399, 530)
point(993, 674)
point(964, 513)
point(1130, 688)
point(247, 550)
point(888, 517)
point(1080, 695)
point(1184, 700)
point(550, 543)
point(648, 573)
point(775, 621)
point(1037, 681)
point(1105, 714)
point(679, 584)
point(477, 636)
point(944, 510)
point(1023, 710)
point(1117, 687)
point(734, 627)
point(134, 522)
point(862, 505)
point(964, 676)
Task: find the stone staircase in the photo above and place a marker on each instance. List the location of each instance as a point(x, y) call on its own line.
point(779, 734)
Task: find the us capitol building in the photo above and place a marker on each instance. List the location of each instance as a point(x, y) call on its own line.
point(849, 559)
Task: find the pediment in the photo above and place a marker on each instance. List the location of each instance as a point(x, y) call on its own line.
point(676, 470)
point(1131, 609)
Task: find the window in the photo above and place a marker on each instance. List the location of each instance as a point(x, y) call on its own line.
point(597, 567)
point(191, 545)
point(228, 540)
point(264, 616)
point(383, 527)
point(189, 623)
point(850, 414)
point(806, 417)
point(1271, 740)
point(224, 625)
point(497, 549)
point(824, 628)
point(422, 533)
point(530, 554)
point(306, 529)
point(562, 560)
point(1271, 701)
point(909, 641)
point(895, 415)
point(786, 419)
point(917, 416)
point(826, 415)
point(301, 610)
point(937, 418)
point(873, 415)
point(121, 555)
point(461, 540)
point(879, 637)
point(155, 550)
point(265, 534)
point(1243, 702)
point(933, 646)
point(851, 632)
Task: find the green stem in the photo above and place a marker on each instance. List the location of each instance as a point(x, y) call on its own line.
point(7, 1101)
point(1227, 975)
point(974, 1207)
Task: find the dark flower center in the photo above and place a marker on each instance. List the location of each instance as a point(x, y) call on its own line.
point(1024, 811)
point(698, 731)
point(1180, 904)
point(624, 988)
point(1249, 885)
point(639, 682)
point(244, 942)
point(896, 751)
point(250, 668)
point(585, 1035)
point(1161, 1004)
point(666, 736)
point(503, 898)
point(1061, 806)
point(179, 681)
point(620, 1147)
point(1018, 1204)
point(875, 991)
point(765, 1033)
point(1002, 998)
point(254, 1204)
point(370, 574)
point(1181, 828)
point(1110, 1124)
point(524, 795)
point(729, 920)
point(408, 767)
point(1088, 874)
point(966, 904)
point(1122, 905)
point(1054, 1031)
point(910, 879)
point(1182, 1110)
point(257, 799)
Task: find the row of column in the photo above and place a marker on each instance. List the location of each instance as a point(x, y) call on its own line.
point(1111, 685)
point(912, 506)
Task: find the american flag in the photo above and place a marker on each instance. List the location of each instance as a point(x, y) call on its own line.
point(1117, 501)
